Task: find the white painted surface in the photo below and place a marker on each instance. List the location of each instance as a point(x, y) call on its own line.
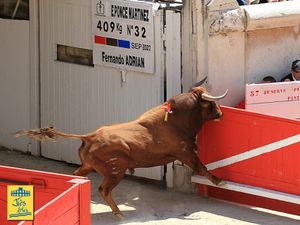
point(266, 193)
point(173, 67)
point(34, 72)
point(226, 66)
point(188, 45)
point(14, 82)
point(267, 16)
point(278, 99)
point(173, 52)
point(221, 49)
point(79, 99)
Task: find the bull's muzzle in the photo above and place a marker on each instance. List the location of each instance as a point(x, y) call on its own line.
point(218, 115)
point(217, 118)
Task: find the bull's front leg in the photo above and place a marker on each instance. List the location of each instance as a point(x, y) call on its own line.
point(214, 179)
point(188, 156)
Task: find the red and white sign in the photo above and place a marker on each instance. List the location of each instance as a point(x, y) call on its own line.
point(278, 99)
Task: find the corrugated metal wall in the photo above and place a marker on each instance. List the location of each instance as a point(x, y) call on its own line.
point(14, 82)
point(79, 99)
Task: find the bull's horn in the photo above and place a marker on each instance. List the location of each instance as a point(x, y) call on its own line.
point(200, 82)
point(210, 98)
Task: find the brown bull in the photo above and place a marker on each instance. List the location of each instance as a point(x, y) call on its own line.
point(151, 140)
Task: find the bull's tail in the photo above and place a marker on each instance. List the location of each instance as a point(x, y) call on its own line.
point(47, 134)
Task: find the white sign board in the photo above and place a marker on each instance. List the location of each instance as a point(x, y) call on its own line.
point(123, 34)
point(279, 99)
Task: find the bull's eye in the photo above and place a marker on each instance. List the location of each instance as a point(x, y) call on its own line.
point(206, 105)
point(210, 106)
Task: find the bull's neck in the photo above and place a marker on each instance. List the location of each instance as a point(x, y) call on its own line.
point(196, 128)
point(190, 129)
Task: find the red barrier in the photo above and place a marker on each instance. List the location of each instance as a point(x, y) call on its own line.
point(58, 199)
point(256, 150)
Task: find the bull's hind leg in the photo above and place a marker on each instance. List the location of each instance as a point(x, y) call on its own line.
point(190, 158)
point(105, 189)
point(113, 171)
point(83, 170)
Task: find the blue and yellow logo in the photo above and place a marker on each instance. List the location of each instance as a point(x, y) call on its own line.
point(20, 202)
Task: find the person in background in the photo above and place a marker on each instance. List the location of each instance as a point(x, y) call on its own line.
point(266, 79)
point(295, 72)
point(242, 2)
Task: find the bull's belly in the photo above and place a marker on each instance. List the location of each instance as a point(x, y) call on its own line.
point(150, 160)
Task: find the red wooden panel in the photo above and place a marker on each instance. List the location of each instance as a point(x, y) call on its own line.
point(69, 217)
point(52, 181)
point(55, 210)
point(59, 199)
point(241, 131)
point(85, 205)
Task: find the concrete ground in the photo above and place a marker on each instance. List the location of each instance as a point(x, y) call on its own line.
point(148, 203)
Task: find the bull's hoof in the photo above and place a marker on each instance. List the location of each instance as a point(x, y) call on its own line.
point(218, 181)
point(221, 183)
point(119, 216)
point(131, 171)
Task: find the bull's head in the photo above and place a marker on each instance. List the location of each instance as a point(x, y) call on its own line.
point(192, 109)
point(209, 108)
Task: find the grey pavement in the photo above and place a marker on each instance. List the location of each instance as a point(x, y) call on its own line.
point(145, 202)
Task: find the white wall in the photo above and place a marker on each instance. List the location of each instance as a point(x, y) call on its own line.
point(272, 39)
point(239, 45)
point(14, 82)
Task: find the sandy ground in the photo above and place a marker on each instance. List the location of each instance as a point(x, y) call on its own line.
point(148, 203)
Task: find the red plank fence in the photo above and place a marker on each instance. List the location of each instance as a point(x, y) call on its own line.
point(258, 156)
point(58, 199)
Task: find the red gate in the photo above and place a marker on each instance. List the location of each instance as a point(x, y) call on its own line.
point(259, 156)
